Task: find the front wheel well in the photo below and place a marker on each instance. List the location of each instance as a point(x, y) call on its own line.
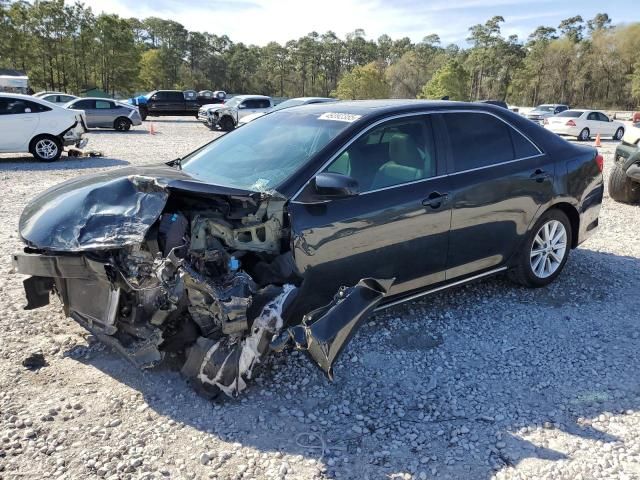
point(574, 217)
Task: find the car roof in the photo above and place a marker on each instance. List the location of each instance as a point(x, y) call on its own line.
point(95, 98)
point(251, 96)
point(57, 93)
point(367, 108)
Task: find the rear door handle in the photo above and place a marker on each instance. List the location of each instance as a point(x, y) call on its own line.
point(435, 200)
point(540, 175)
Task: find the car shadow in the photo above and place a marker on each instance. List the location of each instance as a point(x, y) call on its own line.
point(487, 396)
point(134, 131)
point(29, 164)
point(186, 119)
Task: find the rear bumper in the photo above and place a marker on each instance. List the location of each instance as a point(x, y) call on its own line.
point(563, 130)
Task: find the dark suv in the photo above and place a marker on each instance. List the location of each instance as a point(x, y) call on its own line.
point(246, 245)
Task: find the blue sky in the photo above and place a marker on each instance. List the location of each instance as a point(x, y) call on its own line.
point(261, 21)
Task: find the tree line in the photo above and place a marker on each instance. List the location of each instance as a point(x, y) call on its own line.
point(68, 47)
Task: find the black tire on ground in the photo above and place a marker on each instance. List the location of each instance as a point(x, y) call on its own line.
point(143, 113)
point(584, 135)
point(46, 148)
point(522, 272)
point(226, 124)
point(122, 124)
point(622, 188)
point(619, 134)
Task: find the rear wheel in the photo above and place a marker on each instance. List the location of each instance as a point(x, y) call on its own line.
point(46, 148)
point(122, 124)
point(584, 135)
point(619, 134)
point(545, 252)
point(622, 188)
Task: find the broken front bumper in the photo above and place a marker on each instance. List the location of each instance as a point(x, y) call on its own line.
point(93, 294)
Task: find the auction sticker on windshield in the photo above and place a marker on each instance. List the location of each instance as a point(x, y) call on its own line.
point(340, 117)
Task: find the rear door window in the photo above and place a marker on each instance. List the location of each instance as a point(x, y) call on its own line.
point(16, 106)
point(84, 105)
point(103, 105)
point(479, 140)
point(175, 96)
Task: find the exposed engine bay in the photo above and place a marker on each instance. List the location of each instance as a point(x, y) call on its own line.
point(213, 282)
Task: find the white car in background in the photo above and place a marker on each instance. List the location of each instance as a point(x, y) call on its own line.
point(31, 125)
point(292, 102)
point(55, 97)
point(227, 115)
point(584, 124)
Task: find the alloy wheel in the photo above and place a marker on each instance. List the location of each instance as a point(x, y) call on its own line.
point(548, 249)
point(46, 148)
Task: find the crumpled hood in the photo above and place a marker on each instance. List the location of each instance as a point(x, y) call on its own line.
point(213, 107)
point(107, 210)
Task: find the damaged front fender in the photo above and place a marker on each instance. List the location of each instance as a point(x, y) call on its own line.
point(324, 332)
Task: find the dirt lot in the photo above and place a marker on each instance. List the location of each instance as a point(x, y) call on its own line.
point(487, 380)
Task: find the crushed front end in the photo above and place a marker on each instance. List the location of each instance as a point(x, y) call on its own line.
point(153, 266)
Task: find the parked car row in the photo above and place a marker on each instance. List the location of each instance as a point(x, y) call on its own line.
point(243, 109)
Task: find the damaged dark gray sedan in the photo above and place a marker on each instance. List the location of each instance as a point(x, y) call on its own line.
point(289, 231)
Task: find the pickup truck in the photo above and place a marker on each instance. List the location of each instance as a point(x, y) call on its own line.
point(170, 102)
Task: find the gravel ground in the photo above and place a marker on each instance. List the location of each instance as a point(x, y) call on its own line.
point(488, 380)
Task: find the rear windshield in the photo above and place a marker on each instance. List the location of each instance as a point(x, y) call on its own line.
point(570, 113)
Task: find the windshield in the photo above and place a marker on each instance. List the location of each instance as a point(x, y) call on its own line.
point(546, 108)
point(570, 113)
point(265, 152)
point(234, 102)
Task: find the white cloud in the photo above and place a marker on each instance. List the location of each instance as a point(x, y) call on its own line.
point(261, 21)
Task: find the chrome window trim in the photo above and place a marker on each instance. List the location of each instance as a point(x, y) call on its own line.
point(413, 114)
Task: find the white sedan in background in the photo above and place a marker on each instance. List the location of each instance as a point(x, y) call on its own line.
point(31, 125)
point(584, 124)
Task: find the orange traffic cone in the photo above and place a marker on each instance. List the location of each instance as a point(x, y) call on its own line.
point(598, 143)
point(152, 130)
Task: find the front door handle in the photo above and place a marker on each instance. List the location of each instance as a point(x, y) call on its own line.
point(540, 175)
point(435, 200)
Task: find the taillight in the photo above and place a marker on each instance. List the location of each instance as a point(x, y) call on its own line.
point(600, 162)
point(571, 123)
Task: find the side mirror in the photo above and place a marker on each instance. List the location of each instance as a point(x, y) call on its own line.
point(241, 106)
point(334, 185)
point(155, 97)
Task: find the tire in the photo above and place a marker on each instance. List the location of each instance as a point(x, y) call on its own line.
point(622, 188)
point(528, 270)
point(584, 135)
point(226, 124)
point(619, 134)
point(46, 148)
point(143, 113)
point(122, 124)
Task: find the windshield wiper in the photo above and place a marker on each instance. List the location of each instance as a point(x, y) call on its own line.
point(176, 162)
